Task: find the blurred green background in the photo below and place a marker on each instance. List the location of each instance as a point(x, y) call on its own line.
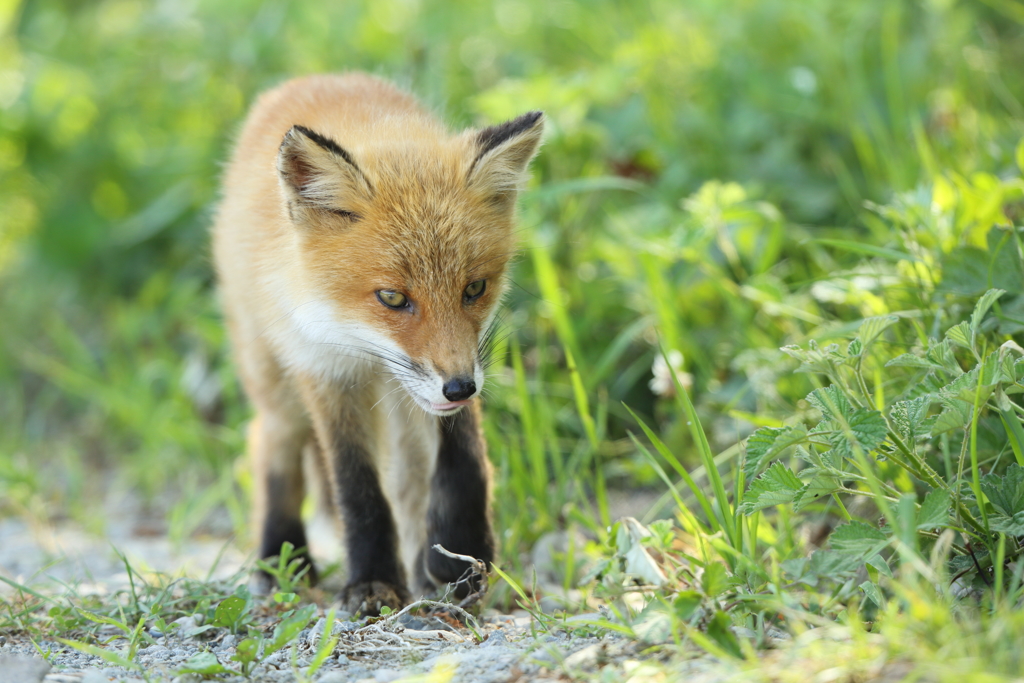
point(707, 181)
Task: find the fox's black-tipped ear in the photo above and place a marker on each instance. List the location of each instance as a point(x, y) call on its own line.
point(502, 154)
point(317, 173)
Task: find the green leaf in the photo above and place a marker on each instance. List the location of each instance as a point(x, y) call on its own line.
point(715, 580)
point(942, 354)
point(934, 512)
point(720, 631)
point(858, 539)
point(832, 565)
point(878, 562)
point(776, 486)
point(1014, 526)
point(1006, 493)
point(955, 415)
point(981, 308)
point(796, 568)
point(867, 429)
point(815, 359)
point(964, 387)
point(873, 593)
point(1020, 156)
point(872, 327)
point(246, 650)
point(290, 627)
point(826, 462)
point(768, 443)
point(204, 664)
point(685, 604)
point(960, 334)
point(911, 418)
point(830, 401)
point(229, 611)
point(965, 271)
point(816, 489)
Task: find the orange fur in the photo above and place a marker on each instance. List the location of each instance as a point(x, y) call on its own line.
point(371, 193)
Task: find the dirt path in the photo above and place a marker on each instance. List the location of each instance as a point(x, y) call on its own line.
point(52, 559)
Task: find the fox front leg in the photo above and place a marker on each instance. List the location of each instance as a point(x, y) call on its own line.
point(459, 516)
point(376, 577)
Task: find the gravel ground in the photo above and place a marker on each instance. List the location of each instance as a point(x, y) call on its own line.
point(405, 649)
point(507, 647)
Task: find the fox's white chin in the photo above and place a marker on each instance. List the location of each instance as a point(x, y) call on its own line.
point(440, 409)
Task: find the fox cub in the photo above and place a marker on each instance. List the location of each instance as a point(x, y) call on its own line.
point(362, 251)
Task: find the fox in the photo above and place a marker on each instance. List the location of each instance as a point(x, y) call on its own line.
point(362, 250)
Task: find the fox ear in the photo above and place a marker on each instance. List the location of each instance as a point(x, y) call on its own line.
point(502, 154)
point(317, 173)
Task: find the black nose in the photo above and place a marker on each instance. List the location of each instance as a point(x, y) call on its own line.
point(458, 389)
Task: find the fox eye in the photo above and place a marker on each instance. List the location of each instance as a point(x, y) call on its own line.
point(474, 290)
point(392, 299)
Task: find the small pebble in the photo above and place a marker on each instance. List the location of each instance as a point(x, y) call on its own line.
point(495, 639)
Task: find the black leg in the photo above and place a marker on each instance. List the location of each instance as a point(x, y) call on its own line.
point(281, 525)
point(459, 517)
point(376, 576)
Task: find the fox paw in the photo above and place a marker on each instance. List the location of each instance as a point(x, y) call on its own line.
point(368, 597)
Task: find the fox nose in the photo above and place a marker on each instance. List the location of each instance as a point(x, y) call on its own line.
point(458, 389)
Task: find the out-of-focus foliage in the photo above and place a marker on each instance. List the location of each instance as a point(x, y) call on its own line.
point(704, 175)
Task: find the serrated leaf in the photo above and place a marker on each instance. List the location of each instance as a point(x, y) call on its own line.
point(955, 415)
point(816, 489)
point(1014, 526)
point(981, 308)
point(776, 486)
point(854, 349)
point(1006, 493)
point(942, 354)
point(822, 462)
point(960, 334)
point(814, 359)
point(833, 565)
point(867, 429)
point(965, 386)
point(910, 417)
point(830, 401)
point(872, 327)
point(934, 512)
point(858, 539)
point(767, 443)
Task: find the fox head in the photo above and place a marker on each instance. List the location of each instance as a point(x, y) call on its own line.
point(404, 242)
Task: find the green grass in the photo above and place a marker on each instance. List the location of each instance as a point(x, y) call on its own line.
point(791, 194)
